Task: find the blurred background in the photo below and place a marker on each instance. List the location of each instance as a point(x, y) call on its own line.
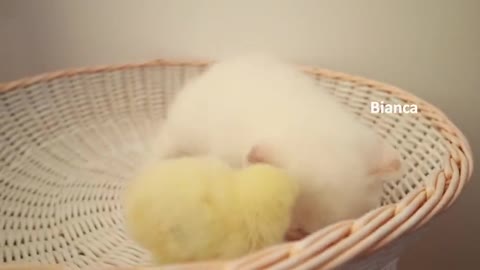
point(430, 48)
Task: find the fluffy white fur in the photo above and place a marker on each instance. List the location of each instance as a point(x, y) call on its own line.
point(256, 108)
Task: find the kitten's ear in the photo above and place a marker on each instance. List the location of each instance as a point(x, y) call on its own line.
point(386, 160)
point(260, 153)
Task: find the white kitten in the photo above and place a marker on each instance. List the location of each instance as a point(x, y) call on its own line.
point(255, 108)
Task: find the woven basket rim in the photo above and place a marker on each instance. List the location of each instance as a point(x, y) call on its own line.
point(350, 238)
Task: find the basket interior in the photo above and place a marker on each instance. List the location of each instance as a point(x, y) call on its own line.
point(69, 145)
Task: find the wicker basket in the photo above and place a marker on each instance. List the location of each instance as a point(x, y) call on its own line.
point(70, 140)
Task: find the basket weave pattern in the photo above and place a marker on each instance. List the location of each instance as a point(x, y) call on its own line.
point(70, 140)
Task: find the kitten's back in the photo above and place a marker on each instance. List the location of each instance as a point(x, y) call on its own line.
point(255, 97)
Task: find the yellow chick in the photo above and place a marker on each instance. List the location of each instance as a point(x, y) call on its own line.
point(198, 208)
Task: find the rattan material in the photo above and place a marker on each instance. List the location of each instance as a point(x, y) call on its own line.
point(70, 140)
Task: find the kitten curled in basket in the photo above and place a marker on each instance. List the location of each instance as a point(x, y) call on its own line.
point(255, 108)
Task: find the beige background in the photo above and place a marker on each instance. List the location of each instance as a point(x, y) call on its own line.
point(430, 47)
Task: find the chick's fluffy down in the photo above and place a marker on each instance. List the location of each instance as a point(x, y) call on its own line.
point(192, 209)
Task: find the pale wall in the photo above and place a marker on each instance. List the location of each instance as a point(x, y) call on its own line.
point(430, 47)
